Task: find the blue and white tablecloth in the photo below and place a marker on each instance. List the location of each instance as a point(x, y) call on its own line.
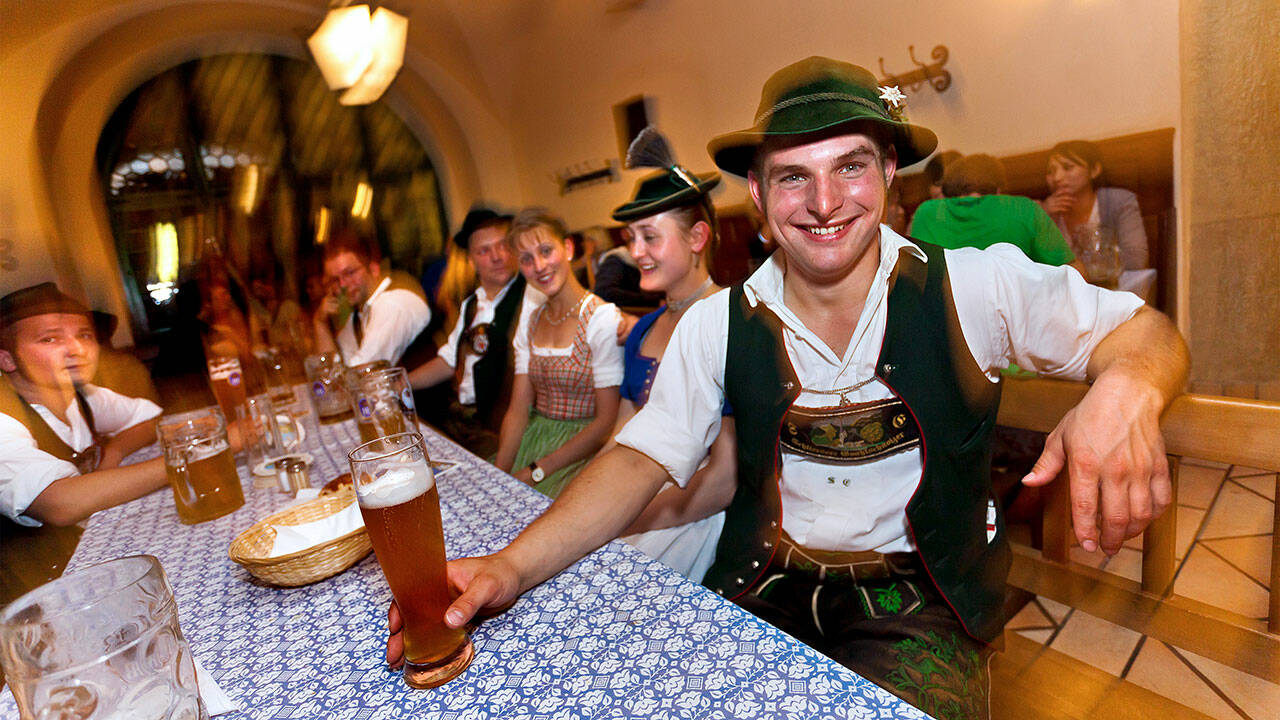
point(614, 636)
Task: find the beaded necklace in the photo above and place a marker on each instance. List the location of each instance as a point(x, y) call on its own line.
point(570, 312)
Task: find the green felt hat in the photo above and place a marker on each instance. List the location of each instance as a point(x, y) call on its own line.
point(664, 190)
point(821, 94)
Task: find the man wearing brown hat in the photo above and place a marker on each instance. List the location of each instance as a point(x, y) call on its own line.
point(62, 439)
point(863, 371)
point(477, 355)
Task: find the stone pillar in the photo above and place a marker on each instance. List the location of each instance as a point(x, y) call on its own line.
point(1230, 194)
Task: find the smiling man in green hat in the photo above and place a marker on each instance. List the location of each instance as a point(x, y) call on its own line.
point(863, 371)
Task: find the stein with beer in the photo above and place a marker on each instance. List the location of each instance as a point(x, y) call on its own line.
point(325, 377)
point(401, 509)
point(199, 465)
point(382, 401)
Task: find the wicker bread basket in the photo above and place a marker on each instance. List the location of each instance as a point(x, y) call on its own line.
point(250, 548)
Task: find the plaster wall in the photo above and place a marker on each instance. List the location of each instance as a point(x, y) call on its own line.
point(1231, 194)
point(1024, 74)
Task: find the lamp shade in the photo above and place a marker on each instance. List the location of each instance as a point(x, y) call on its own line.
point(389, 31)
point(342, 46)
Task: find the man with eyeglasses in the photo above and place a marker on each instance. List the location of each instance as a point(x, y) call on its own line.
point(368, 314)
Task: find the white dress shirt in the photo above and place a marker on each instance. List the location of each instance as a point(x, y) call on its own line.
point(485, 308)
point(1043, 318)
point(391, 319)
point(26, 470)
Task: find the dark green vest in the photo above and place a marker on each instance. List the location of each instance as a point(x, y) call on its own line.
point(492, 373)
point(32, 556)
point(925, 361)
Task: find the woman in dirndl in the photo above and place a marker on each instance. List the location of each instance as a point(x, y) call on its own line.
point(564, 398)
point(671, 234)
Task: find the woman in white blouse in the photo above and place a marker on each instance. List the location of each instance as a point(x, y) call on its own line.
point(568, 366)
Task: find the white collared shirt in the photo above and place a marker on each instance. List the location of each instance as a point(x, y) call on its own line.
point(391, 318)
point(485, 308)
point(1043, 318)
point(26, 470)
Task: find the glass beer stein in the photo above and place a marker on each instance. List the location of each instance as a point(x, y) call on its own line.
point(199, 465)
point(100, 643)
point(382, 401)
point(401, 508)
point(324, 377)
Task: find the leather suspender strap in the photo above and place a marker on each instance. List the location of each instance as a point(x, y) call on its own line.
point(468, 314)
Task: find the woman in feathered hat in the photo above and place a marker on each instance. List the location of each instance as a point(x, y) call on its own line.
point(671, 235)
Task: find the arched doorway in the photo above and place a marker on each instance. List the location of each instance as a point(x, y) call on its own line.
point(247, 162)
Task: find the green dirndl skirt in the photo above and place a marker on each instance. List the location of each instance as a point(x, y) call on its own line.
point(542, 436)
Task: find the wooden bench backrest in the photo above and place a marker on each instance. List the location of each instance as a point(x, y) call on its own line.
point(1219, 429)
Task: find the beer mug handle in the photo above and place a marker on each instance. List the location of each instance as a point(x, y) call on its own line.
point(181, 478)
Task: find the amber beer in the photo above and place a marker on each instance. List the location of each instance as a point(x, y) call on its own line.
point(205, 484)
point(199, 465)
point(226, 378)
point(379, 421)
point(401, 510)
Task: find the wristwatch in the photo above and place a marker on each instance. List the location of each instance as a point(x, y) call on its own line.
point(538, 473)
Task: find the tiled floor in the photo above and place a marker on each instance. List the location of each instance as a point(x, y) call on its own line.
point(1224, 553)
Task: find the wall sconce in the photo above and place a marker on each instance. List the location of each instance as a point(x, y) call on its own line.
point(359, 52)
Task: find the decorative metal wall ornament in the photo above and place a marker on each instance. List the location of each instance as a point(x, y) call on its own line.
point(931, 73)
point(585, 174)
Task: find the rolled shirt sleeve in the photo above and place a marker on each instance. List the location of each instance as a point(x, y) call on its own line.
point(682, 418)
point(26, 470)
point(1043, 318)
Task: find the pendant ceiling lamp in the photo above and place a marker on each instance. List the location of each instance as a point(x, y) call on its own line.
point(359, 51)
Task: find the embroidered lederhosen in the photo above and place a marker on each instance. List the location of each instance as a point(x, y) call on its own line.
point(924, 361)
point(564, 387)
point(855, 432)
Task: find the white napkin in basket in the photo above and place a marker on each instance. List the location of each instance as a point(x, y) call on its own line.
point(292, 538)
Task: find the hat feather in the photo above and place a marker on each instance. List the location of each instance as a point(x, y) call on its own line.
point(650, 149)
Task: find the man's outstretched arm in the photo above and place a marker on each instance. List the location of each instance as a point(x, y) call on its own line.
point(590, 511)
point(1111, 443)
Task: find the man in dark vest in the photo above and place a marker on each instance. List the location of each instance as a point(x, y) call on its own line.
point(477, 355)
point(62, 439)
point(863, 372)
point(368, 314)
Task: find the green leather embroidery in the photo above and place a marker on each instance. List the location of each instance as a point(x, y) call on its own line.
point(940, 676)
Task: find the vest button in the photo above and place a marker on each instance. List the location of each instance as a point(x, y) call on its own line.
point(720, 591)
point(773, 524)
point(767, 544)
point(755, 564)
point(740, 581)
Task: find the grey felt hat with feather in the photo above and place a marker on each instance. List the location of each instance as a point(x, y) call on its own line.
point(672, 186)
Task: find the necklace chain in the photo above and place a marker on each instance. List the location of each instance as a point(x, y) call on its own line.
point(843, 392)
point(679, 306)
point(571, 311)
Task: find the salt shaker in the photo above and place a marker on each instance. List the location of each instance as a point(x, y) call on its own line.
point(292, 474)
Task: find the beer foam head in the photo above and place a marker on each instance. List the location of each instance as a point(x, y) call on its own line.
point(195, 450)
point(395, 484)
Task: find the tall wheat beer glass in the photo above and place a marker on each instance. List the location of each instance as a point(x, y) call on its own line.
point(401, 508)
